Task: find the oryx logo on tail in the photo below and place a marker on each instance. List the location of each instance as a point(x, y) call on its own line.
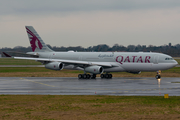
point(35, 42)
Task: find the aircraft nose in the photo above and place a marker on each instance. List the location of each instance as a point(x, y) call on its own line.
point(175, 63)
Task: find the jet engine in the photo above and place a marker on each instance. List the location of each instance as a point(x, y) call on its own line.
point(134, 72)
point(54, 66)
point(94, 69)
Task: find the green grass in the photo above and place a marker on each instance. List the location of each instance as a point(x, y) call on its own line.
point(88, 107)
point(11, 61)
point(23, 69)
point(173, 70)
point(178, 60)
point(33, 69)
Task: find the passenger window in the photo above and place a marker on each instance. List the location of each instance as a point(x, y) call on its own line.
point(168, 58)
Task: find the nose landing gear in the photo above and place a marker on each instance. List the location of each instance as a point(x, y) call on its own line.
point(158, 76)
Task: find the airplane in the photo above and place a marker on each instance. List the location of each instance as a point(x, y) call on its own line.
point(96, 62)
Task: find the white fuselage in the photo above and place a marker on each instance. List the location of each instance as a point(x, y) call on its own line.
point(120, 61)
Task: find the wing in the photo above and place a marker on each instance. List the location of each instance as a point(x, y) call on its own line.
point(104, 64)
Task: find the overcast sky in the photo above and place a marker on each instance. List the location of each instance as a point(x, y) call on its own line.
point(90, 22)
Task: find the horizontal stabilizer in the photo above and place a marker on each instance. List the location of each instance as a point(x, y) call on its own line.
point(19, 54)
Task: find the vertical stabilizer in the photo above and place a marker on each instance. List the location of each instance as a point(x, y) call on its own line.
point(36, 42)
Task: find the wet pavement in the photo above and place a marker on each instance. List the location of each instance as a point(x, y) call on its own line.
point(74, 86)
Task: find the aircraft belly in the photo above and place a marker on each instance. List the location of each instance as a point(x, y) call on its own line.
point(137, 66)
point(72, 67)
point(162, 66)
point(114, 69)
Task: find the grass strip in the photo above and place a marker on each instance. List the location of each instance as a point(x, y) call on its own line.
point(88, 107)
point(12, 61)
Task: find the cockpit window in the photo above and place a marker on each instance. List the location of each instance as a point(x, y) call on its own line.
point(169, 59)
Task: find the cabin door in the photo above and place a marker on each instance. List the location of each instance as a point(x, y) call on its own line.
point(156, 58)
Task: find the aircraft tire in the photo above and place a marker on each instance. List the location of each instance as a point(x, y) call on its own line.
point(106, 76)
point(80, 76)
point(88, 76)
point(93, 76)
point(110, 76)
point(158, 76)
point(102, 76)
point(84, 76)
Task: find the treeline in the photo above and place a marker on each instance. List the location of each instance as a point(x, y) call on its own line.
point(167, 49)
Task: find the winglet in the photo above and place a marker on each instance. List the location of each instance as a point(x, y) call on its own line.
point(7, 55)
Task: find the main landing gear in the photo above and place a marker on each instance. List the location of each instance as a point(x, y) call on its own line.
point(158, 76)
point(87, 76)
point(107, 76)
point(93, 76)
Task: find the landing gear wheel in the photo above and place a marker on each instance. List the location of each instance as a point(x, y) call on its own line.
point(88, 76)
point(158, 76)
point(102, 76)
point(110, 76)
point(106, 76)
point(93, 76)
point(84, 76)
point(80, 76)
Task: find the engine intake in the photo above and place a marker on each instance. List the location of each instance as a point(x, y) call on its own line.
point(94, 69)
point(54, 66)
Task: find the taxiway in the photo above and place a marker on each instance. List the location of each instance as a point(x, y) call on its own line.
point(74, 86)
